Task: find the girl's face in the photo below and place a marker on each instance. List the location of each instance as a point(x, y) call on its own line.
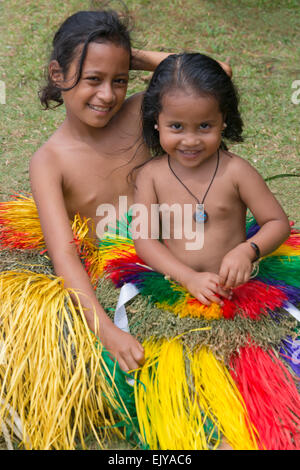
point(190, 126)
point(102, 88)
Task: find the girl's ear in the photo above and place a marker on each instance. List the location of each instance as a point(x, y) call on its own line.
point(156, 127)
point(55, 72)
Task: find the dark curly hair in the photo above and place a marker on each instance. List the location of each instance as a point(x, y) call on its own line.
point(80, 29)
point(203, 75)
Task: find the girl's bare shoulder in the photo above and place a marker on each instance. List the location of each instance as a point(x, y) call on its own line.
point(150, 171)
point(49, 154)
point(237, 163)
point(133, 104)
point(154, 166)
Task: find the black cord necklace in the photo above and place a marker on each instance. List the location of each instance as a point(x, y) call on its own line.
point(200, 215)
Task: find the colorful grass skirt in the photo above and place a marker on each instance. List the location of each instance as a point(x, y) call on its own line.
point(211, 373)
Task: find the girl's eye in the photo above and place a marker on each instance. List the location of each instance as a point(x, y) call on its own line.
point(92, 79)
point(204, 125)
point(121, 81)
point(176, 126)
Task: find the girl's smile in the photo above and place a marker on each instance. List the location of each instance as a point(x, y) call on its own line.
point(190, 126)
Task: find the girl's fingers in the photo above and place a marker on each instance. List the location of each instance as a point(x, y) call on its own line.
point(123, 365)
point(203, 299)
point(240, 279)
point(231, 279)
point(243, 277)
point(139, 355)
point(130, 362)
point(223, 292)
point(247, 276)
point(223, 277)
point(210, 295)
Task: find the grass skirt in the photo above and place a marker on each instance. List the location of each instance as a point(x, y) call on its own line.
point(209, 371)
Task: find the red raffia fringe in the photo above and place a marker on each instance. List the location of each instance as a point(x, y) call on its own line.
point(270, 395)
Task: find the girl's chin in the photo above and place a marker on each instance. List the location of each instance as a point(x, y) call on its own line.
point(190, 156)
point(194, 157)
point(99, 119)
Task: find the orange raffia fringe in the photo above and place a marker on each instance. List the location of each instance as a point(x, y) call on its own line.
point(20, 228)
point(89, 253)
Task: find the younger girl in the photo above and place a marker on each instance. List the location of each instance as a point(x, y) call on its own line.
point(189, 106)
point(211, 353)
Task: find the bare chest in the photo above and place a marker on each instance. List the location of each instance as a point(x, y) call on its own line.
point(201, 246)
point(220, 201)
point(92, 181)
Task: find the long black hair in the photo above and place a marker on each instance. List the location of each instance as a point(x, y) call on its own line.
point(80, 29)
point(203, 75)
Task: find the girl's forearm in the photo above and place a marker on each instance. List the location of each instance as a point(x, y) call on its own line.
point(270, 236)
point(147, 60)
point(159, 258)
point(76, 279)
point(121, 345)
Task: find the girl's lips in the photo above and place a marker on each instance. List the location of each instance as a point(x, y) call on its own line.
point(99, 109)
point(189, 153)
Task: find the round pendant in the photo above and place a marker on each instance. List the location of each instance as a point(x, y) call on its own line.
point(200, 216)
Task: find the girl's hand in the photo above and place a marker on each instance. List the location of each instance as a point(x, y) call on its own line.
point(226, 67)
point(206, 288)
point(236, 266)
point(123, 347)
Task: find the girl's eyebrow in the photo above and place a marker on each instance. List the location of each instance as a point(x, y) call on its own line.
point(212, 120)
point(91, 71)
point(99, 72)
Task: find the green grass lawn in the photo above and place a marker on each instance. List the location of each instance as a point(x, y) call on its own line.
point(260, 38)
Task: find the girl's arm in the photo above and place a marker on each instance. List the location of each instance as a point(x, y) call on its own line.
point(274, 225)
point(46, 184)
point(204, 286)
point(149, 60)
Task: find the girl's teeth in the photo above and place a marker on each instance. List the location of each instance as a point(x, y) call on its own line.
point(98, 108)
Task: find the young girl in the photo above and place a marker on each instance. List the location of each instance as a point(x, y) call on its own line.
point(86, 161)
point(189, 106)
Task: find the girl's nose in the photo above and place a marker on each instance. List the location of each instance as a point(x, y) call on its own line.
point(191, 139)
point(105, 93)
